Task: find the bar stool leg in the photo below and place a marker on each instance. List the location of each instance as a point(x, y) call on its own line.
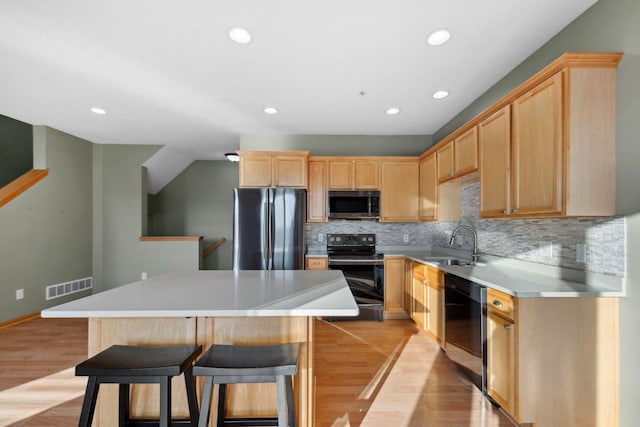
point(89, 402)
point(123, 405)
point(290, 404)
point(165, 402)
point(222, 401)
point(190, 384)
point(282, 401)
point(206, 402)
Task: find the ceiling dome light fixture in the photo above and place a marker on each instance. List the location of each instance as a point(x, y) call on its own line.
point(271, 110)
point(439, 37)
point(239, 35)
point(97, 110)
point(441, 94)
point(232, 157)
point(393, 111)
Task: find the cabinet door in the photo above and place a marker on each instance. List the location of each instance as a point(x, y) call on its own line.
point(445, 163)
point(435, 304)
point(537, 149)
point(428, 204)
point(501, 361)
point(255, 170)
point(465, 150)
point(419, 311)
point(394, 287)
point(290, 171)
point(340, 175)
point(366, 175)
point(399, 192)
point(408, 288)
point(495, 164)
point(317, 192)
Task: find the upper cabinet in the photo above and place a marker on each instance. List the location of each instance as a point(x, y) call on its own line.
point(317, 191)
point(273, 168)
point(551, 150)
point(458, 157)
point(428, 203)
point(399, 190)
point(353, 174)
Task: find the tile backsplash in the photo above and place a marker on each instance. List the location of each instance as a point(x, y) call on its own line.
point(512, 238)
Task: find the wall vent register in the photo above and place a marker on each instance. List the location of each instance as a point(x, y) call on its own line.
point(66, 288)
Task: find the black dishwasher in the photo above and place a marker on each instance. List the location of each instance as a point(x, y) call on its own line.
point(465, 326)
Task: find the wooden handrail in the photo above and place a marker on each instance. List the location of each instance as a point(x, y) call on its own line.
point(21, 184)
point(212, 247)
point(170, 238)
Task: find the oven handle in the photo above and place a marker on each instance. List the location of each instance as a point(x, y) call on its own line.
point(355, 262)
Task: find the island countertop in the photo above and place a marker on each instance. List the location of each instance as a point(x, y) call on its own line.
point(220, 293)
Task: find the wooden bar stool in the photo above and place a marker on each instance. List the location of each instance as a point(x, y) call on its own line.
point(235, 364)
point(125, 365)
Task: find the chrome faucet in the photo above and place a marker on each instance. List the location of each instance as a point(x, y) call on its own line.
point(475, 255)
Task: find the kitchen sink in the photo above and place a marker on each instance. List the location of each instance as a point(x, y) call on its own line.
point(449, 261)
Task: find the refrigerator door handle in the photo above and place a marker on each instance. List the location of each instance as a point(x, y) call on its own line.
point(266, 238)
point(272, 226)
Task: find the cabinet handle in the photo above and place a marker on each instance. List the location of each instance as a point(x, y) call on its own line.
point(498, 303)
point(514, 210)
point(316, 262)
point(507, 327)
point(505, 211)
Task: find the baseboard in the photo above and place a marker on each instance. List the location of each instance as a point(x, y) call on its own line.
point(20, 319)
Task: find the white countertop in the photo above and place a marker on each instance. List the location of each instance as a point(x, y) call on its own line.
point(220, 293)
point(521, 278)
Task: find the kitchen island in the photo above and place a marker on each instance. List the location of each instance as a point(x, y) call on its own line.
point(213, 307)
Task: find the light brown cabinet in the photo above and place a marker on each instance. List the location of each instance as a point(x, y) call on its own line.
point(317, 191)
point(316, 263)
point(353, 174)
point(419, 291)
point(551, 150)
point(458, 157)
point(501, 349)
point(273, 168)
point(399, 191)
point(394, 287)
point(435, 304)
point(428, 204)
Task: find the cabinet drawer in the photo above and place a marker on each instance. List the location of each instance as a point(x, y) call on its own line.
point(317, 263)
point(499, 302)
point(418, 271)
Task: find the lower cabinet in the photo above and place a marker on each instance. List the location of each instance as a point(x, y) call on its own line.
point(501, 349)
point(394, 287)
point(419, 304)
point(435, 304)
point(316, 263)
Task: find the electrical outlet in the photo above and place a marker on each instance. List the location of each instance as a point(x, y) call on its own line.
point(545, 249)
point(581, 252)
point(19, 293)
point(143, 276)
point(320, 237)
point(405, 238)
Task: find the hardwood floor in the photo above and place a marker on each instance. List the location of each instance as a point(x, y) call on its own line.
point(373, 374)
point(369, 374)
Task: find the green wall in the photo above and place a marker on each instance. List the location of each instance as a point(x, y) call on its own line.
point(610, 25)
point(199, 202)
point(120, 218)
point(46, 233)
point(341, 145)
point(16, 149)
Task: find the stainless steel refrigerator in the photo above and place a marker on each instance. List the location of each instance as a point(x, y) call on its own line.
point(268, 228)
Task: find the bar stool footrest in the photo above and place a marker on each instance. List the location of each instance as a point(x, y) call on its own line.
point(250, 422)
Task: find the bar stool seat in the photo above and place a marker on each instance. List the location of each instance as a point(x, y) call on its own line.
point(233, 364)
point(125, 365)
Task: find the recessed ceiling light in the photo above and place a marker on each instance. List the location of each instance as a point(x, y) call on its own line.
point(439, 37)
point(393, 111)
point(271, 110)
point(239, 35)
point(440, 94)
point(98, 110)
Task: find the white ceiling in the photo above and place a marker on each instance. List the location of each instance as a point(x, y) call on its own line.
point(167, 73)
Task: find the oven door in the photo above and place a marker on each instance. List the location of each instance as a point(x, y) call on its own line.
point(366, 282)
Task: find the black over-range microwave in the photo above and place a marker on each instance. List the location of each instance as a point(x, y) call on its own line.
point(354, 204)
